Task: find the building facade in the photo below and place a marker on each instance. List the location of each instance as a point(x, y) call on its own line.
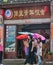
point(35, 18)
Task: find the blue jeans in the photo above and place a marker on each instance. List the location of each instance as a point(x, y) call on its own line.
point(39, 60)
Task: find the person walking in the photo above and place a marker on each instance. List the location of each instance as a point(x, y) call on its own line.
point(32, 58)
point(39, 51)
point(26, 49)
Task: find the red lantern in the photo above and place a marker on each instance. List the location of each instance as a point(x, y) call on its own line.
point(46, 9)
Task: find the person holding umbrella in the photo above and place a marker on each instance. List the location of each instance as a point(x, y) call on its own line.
point(31, 55)
point(24, 38)
point(39, 51)
point(28, 47)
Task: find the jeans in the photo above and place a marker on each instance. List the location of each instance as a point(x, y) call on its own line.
point(39, 60)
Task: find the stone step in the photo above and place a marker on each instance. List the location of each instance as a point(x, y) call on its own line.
point(13, 61)
point(21, 62)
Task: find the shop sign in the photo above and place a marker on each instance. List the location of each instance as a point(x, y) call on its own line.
point(28, 12)
point(8, 14)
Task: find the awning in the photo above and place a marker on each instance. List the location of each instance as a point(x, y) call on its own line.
point(28, 21)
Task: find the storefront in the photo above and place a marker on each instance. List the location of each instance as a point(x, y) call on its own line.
point(35, 19)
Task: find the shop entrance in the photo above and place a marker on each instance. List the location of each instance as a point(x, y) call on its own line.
point(14, 48)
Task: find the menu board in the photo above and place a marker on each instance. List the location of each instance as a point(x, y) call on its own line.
point(10, 38)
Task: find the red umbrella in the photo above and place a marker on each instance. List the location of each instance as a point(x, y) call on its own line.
point(23, 36)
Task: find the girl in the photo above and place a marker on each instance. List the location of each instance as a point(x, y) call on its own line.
point(39, 51)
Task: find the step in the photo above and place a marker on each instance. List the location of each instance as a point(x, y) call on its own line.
point(48, 63)
point(21, 62)
point(13, 61)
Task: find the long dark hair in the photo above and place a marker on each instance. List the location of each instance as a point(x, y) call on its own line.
point(31, 37)
point(39, 39)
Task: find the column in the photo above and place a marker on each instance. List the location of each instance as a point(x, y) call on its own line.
point(51, 28)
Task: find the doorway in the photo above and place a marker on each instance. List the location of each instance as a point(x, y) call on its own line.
point(14, 48)
point(43, 29)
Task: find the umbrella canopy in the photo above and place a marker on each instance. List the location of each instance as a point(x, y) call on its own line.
point(35, 35)
point(23, 36)
point(24, 33)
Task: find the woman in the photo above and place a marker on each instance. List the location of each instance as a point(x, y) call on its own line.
point(31, 55)
point(26, 48)
point(39, 51)
point(1, 53)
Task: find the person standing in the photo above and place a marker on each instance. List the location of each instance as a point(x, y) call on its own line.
point(39, 51)
point(32, 58)
point(1, 53)
point(26, 49)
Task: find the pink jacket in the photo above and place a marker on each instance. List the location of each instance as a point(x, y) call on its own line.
point(1, 47)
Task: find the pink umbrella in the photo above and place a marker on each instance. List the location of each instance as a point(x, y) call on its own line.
point(35, 35)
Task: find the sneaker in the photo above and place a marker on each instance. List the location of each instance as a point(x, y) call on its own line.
point(27, 64)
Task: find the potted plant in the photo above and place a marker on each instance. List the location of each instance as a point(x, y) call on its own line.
point(49, 55)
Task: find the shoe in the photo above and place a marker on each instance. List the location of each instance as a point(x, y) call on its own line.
point(27, 64)
point(35, 64)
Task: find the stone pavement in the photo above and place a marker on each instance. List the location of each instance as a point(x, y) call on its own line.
point(21, 62)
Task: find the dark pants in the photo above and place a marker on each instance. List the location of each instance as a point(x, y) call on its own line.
point(0, 57)
point(26, 61)
point(31, 58)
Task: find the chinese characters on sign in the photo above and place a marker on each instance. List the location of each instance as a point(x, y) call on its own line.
point(30, 12)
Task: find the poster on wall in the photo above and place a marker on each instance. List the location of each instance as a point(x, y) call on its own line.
point(10, 38)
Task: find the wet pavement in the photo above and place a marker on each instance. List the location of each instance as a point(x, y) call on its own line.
point(21, 62)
